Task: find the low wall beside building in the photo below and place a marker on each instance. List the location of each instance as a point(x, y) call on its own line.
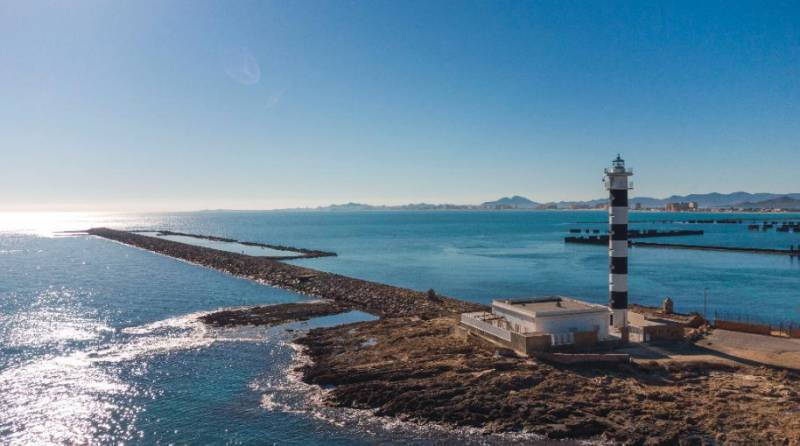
point(585, 340)
point(743, 327)
point(483, 325)
point(654, 333)
point(528, 343)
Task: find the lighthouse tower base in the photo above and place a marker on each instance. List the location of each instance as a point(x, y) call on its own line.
point(619, 318)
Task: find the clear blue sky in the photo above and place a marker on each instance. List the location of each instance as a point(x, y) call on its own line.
point(153, 105)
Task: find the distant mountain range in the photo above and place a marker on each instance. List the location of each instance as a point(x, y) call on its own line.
point(784, 202)
point(736, 200)
point(515, 202)
point(405, 207)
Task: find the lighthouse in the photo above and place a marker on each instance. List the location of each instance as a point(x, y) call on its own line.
point(616, 182)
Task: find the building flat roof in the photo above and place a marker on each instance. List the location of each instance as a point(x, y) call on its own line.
point(552, 305)
point(638, 320)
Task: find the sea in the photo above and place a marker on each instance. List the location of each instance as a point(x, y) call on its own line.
point(99, 342)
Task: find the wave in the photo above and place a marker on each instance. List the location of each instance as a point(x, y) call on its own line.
point(77, 398)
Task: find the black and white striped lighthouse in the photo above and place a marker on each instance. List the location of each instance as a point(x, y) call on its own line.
point(617, 184)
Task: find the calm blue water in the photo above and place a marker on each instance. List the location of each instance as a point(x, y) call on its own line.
point(98, 342)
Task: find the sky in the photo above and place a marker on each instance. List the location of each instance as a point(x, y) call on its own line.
point(178, 105)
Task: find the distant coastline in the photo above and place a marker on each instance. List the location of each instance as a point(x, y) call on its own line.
point(711, 202)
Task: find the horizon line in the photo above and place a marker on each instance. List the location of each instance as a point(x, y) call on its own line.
point(134, 209)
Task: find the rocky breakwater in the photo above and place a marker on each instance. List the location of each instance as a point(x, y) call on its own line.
point(417, 370)
point(302, 252)
point(375, 298)
point(269, 315)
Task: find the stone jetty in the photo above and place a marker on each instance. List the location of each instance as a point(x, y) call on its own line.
point(302, 253)
point(371, 297)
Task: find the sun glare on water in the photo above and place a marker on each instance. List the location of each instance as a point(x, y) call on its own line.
point(50, 224)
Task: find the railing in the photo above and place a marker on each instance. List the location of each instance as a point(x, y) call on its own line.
point(477, 321)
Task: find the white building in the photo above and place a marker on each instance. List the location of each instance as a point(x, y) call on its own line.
point(553, 315)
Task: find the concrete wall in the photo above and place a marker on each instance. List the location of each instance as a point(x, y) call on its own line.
point(742, 326)
point(567, 323)
point(585, 340)
point(531, 344)
point(521, 323)
point(526, 344)
point(667, 332)
point(651, 333)
point(575, 323)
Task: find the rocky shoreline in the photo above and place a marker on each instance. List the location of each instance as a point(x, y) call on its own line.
point(269, 315)
point(416, 370)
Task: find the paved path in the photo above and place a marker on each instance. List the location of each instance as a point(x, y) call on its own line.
point(782, 352)
point(724, 347)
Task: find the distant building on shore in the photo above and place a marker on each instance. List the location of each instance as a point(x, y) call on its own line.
point(684, 206)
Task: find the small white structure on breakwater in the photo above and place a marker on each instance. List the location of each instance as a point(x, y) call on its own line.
point(555, 315)
point(533, 325)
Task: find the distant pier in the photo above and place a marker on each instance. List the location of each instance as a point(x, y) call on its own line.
point(710, 221)
point(602, 239)
point(790, 252)
point(793, 251)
